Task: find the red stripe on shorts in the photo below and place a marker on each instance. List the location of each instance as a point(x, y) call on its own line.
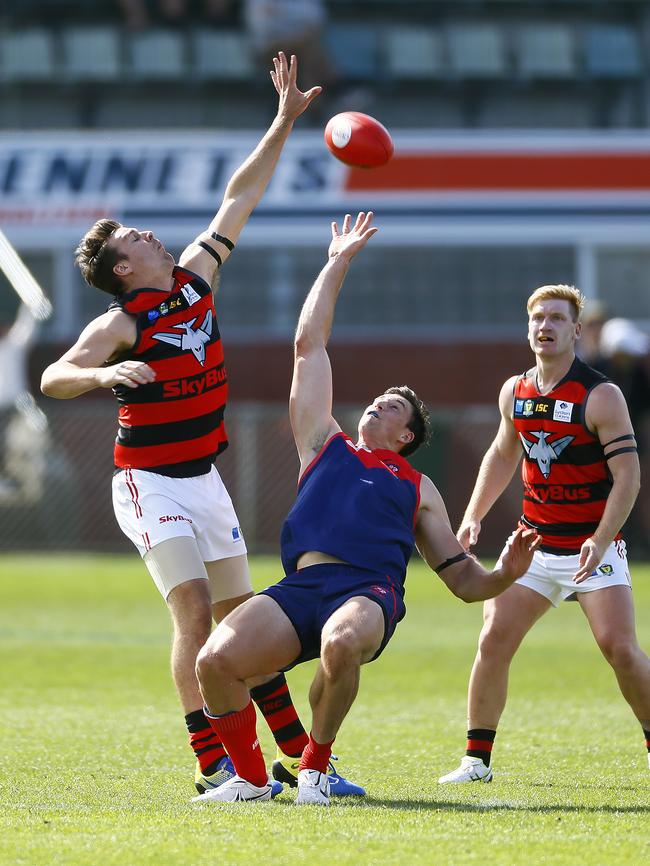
point(133, 490)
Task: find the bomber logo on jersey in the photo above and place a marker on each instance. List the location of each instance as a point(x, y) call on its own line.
point(392, 466)
point(562, 411)
point(543, 451)
point(191, 339)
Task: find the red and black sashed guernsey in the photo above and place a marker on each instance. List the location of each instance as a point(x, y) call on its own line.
point(564, 471)
point(174, 425)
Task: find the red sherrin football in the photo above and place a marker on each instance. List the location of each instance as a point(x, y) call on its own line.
point(358, 140)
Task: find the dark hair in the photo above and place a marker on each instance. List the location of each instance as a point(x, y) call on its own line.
point(96, 259)
point(420, 423)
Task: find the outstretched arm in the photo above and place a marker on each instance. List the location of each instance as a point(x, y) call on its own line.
point(310, 404)
point(497, 468)
point(461, 572)
point(246, 187)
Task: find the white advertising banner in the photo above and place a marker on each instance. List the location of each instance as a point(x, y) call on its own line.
point(62, 182)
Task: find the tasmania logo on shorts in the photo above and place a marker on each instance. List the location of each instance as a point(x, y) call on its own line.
point(606, 569)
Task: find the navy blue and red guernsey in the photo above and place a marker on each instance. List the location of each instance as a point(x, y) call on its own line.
point(565, 475)
point(357, 505)
point(174, 425)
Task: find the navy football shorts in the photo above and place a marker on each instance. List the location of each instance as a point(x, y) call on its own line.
point(311, 595)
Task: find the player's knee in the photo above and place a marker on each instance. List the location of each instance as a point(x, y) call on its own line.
point(339, 650)
point(194, 626)
point(494, 641)
point(621, 652)
point(215, 663)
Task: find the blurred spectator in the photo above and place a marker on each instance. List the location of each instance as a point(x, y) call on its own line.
point(295, 27)
point(298, 27)
point(593, 318)
point(138, 14)
point(624, 358)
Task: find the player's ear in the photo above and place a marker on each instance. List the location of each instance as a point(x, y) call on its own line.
point(406, 437)
point(122, 268)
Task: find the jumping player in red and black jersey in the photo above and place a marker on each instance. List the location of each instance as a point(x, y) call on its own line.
point(581, 477)
point(346, 543)
point(158, 347)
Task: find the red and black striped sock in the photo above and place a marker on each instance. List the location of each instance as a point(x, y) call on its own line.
point(646, 734)
point(479, 744)
point(275, 704)
point(205, 743)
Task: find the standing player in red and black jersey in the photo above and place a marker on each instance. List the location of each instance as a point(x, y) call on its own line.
point(159, 348)
point(581, 477)
point(346, 543)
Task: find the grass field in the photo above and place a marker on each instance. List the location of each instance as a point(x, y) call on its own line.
point(95, 768)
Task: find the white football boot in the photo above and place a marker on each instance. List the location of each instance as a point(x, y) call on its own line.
point(470, 770)
point(313, 787)
point(238, 790)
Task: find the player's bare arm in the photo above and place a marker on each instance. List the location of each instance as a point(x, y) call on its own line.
point(464, 576)
point(246, 187)
point(496, 470)
point(310, 403)
point(87, 365)
point(607, 416)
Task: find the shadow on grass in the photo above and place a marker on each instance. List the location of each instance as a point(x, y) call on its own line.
point(446, 806)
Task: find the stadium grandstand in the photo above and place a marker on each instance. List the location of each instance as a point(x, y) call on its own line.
point(522, 158)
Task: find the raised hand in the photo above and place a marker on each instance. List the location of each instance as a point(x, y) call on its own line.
point(349, 241)
point(292, 101)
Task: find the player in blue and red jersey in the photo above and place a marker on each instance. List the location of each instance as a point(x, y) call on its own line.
point(580, 474)
point(346, 543)
point(159, 348)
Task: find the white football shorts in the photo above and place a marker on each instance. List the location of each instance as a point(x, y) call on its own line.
point(552, 576)
point(151, 508)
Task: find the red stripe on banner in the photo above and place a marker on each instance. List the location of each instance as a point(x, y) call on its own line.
point(506, 172)
point(148, 457)
point(480, 745)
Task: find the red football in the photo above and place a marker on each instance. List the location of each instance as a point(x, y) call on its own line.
point(358, 139)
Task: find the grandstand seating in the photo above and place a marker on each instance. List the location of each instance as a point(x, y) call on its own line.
point(484, 53)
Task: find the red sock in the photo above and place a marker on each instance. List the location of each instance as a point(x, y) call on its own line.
point(316, 756)
point(238, 734)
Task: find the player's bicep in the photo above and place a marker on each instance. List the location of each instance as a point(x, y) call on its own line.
point(310, 403)
point(434, 536)
point(100, 341)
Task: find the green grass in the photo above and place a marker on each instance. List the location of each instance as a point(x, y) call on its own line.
point(95, 767)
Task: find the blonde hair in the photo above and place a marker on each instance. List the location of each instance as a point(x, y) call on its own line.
point(560, 292)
